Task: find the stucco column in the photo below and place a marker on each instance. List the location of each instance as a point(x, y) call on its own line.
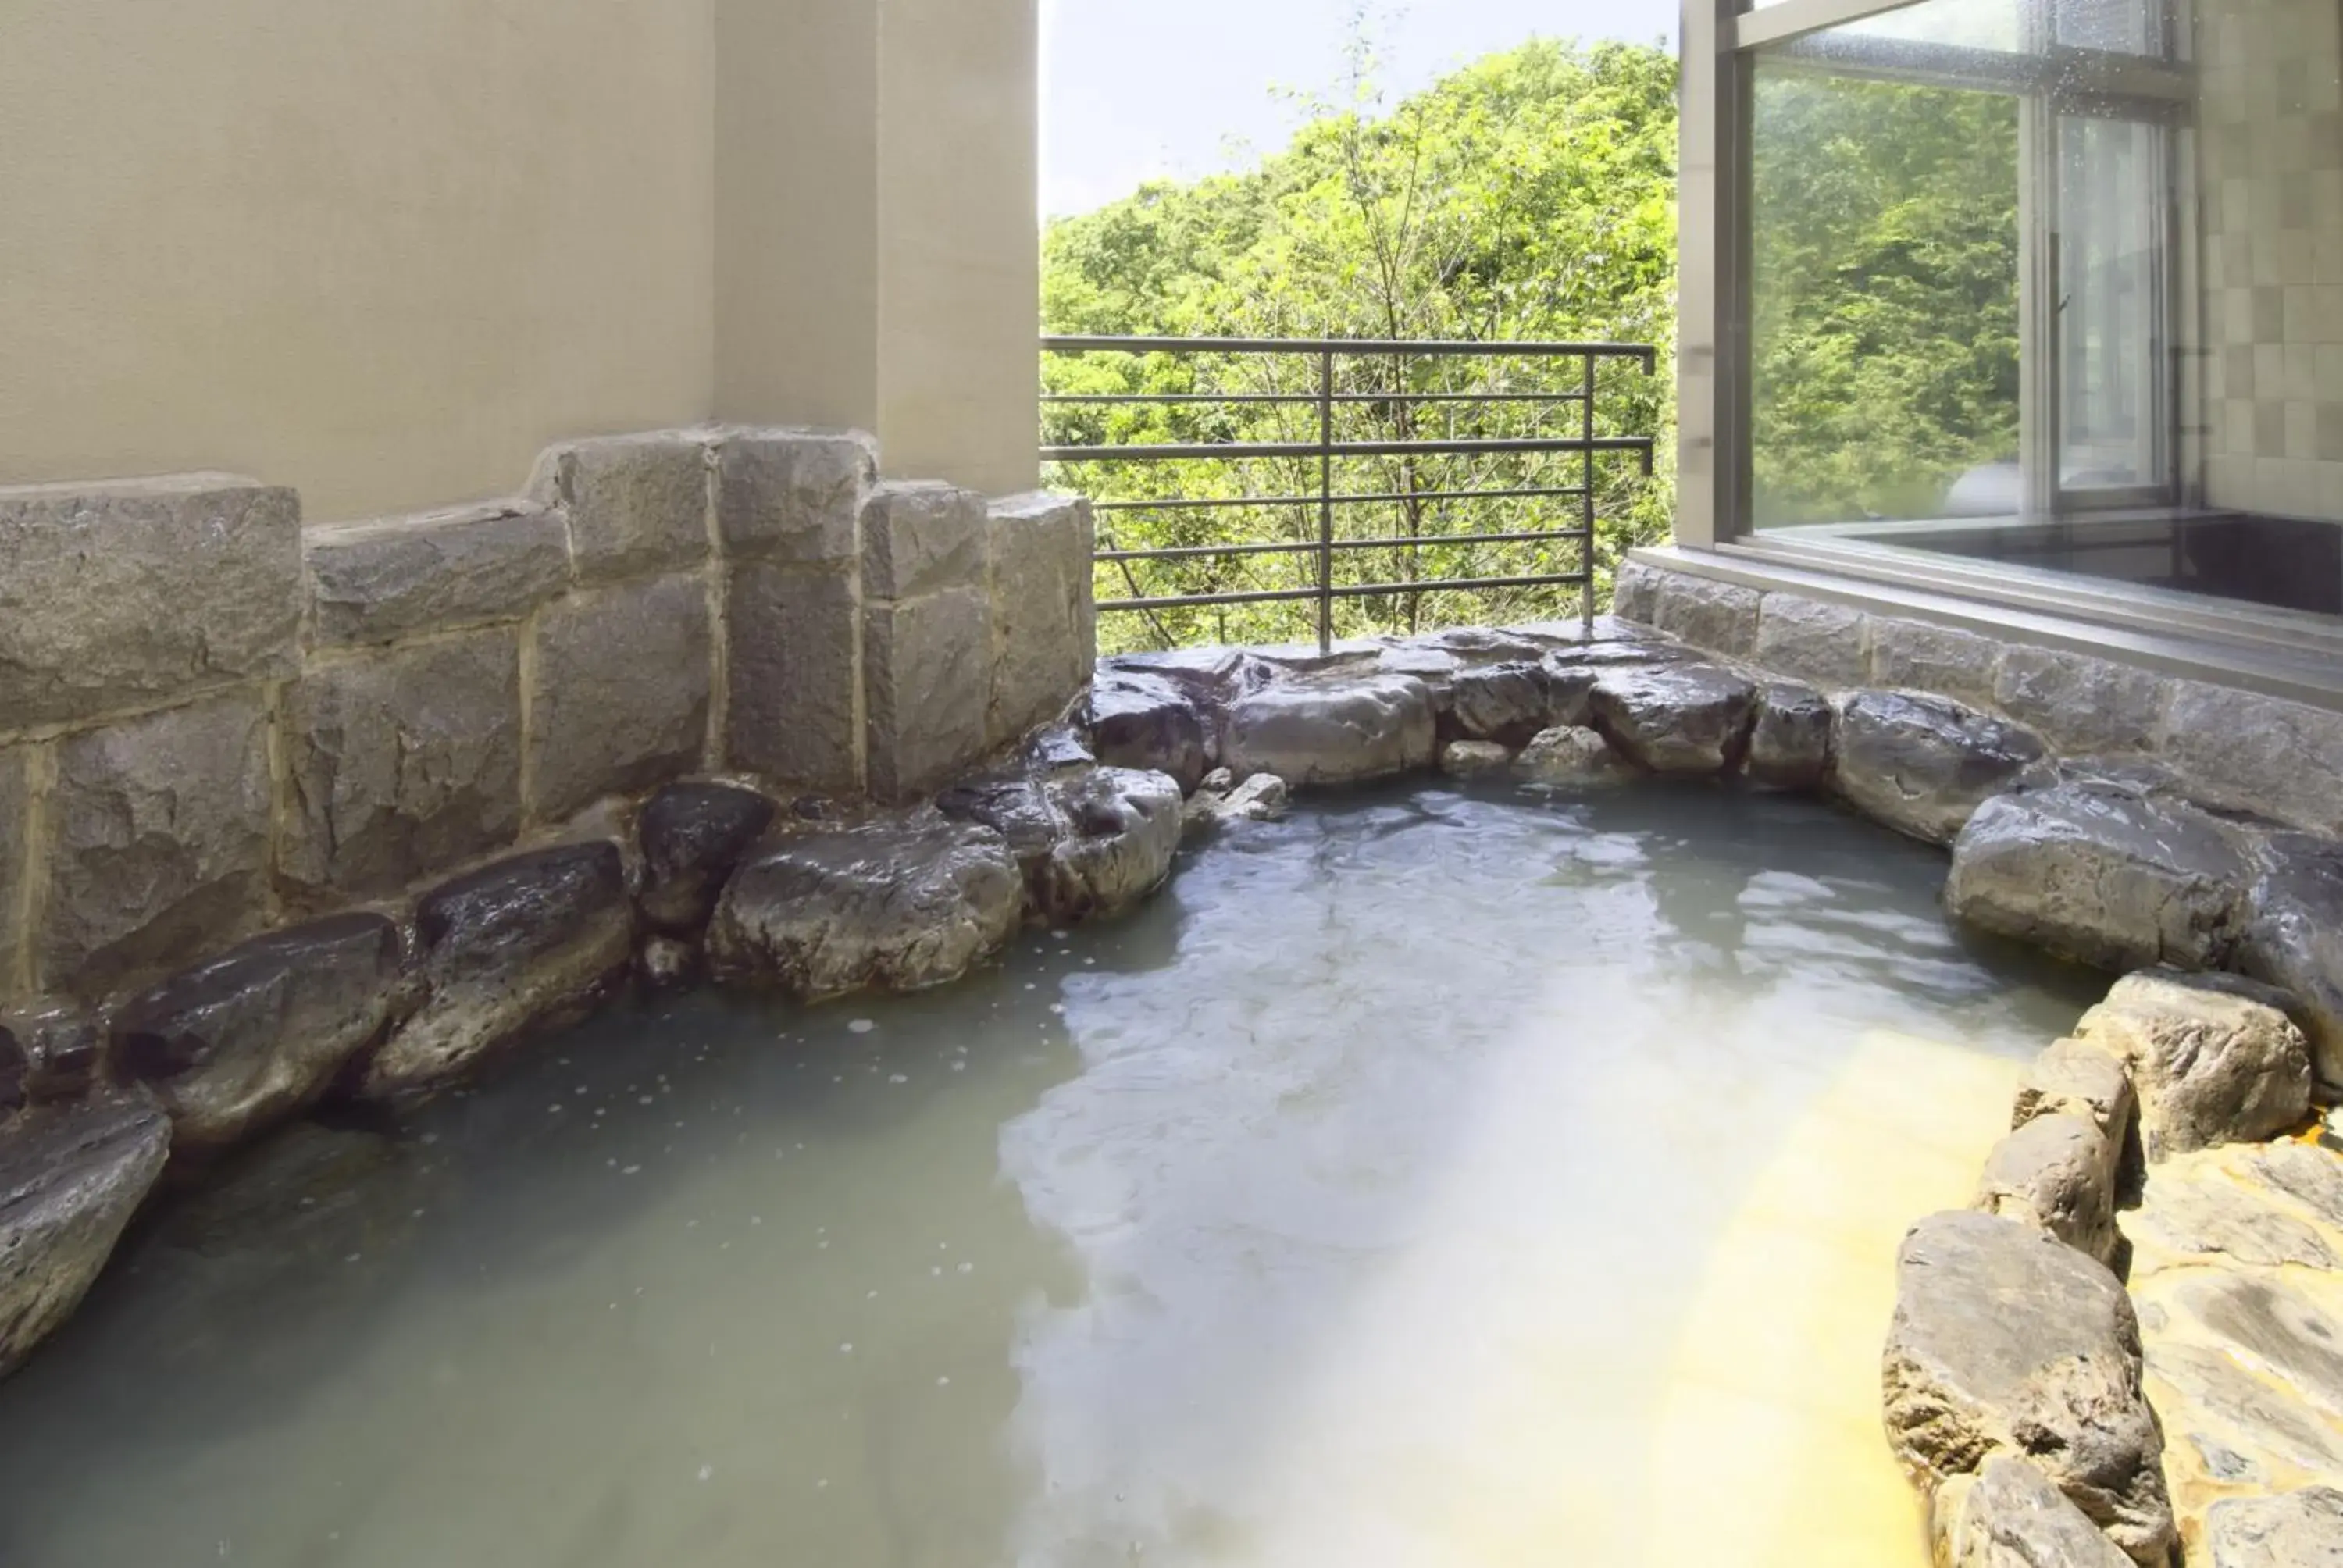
point(877, 245)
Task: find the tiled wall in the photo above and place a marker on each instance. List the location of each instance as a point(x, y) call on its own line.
point(2270, 145)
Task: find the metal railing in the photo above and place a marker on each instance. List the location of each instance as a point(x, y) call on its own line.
point(1384, 390)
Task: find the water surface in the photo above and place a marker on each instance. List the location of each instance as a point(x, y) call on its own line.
point(1430, 1179)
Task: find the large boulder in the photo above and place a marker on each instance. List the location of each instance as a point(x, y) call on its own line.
point(1921, 764)
point(1572, 671)
point(1790, 743)
point(2009, 1515)
point(2057, 1173)
point(2294, 936)
point(1507, 704)
point(56, 1050)
point(1144, 721)
point(2072, 1079)
point(1335, 729)
point(900, 903)
point(2299, 1530)
point(70, 1178)
point(2100, 874)
point(1691, 719)
point(692, 835)
point(248, 1040)
point(2213, 1060)
point(2007, 1341)
point(522, 944)
point(1572, 757)
point(1122, 828)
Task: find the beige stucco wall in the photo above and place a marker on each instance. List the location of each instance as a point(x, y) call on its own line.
point(386, 253)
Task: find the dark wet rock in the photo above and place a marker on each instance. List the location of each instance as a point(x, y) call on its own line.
point(1474, 759)
point(55, 1048)
point(1572, 757)
point(2099, 874)
point(1331, 729)
point(1790, 743)
point(247, 1040)
point(1122, 828)
point(1485, 645)
point(2294, 936)
point(2007, 1341)
point(1057, 747)
point(70, 1178)
point(692, 835)
point(2009, 1515)
point(2057, 1173)
point(2299, 1530)
point(1921, 764)
point(1150, 721)
point(1013, 805)
point(1212, 676)
point(2070, 1078)
point(1571, 672)
point(900, 903)
point(1505, 703)
point(2212, 1060)
point(1691, 719)
point(13, 1071)
point(519, 945)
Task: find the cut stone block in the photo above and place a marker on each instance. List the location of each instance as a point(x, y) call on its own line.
point(794, 495)
point(1921, 764)
point(1636, 591)
point(1720, 617)
point(130, 595)
point(2257, 754)
point(635, 504)
point(1044, 632)
point(2078, 703)
point(157, 848)
point(921, 536)
point(924, 665)
point(401, 764)
point(1926, 657)
point(794, 667)
point(250, 1038)
point(2102, 875)
point(377, 581)
point(621, 697)
point(1814, 640)
point(71, 1176)
point(523, 944)
point(16, 852)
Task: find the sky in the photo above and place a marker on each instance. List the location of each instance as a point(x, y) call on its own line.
point(1133, 90)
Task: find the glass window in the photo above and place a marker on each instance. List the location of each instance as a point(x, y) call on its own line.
point(2055, 285)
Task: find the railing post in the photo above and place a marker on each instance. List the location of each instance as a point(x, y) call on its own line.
point(1326, 502)
point(1586, 499)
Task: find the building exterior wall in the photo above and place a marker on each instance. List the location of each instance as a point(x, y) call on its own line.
point(383, 255)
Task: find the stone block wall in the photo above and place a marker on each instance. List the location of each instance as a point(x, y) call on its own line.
point(215, 721)
point(2238, 750)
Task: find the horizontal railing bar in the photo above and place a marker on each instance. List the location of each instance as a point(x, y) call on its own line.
point(1176, 504)
point(1347, 590)
point(1184, 552)
point(1110, 398)
point(1208, 450)
point(1432, 348)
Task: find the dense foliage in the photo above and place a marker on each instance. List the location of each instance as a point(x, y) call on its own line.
point(1530, 196)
